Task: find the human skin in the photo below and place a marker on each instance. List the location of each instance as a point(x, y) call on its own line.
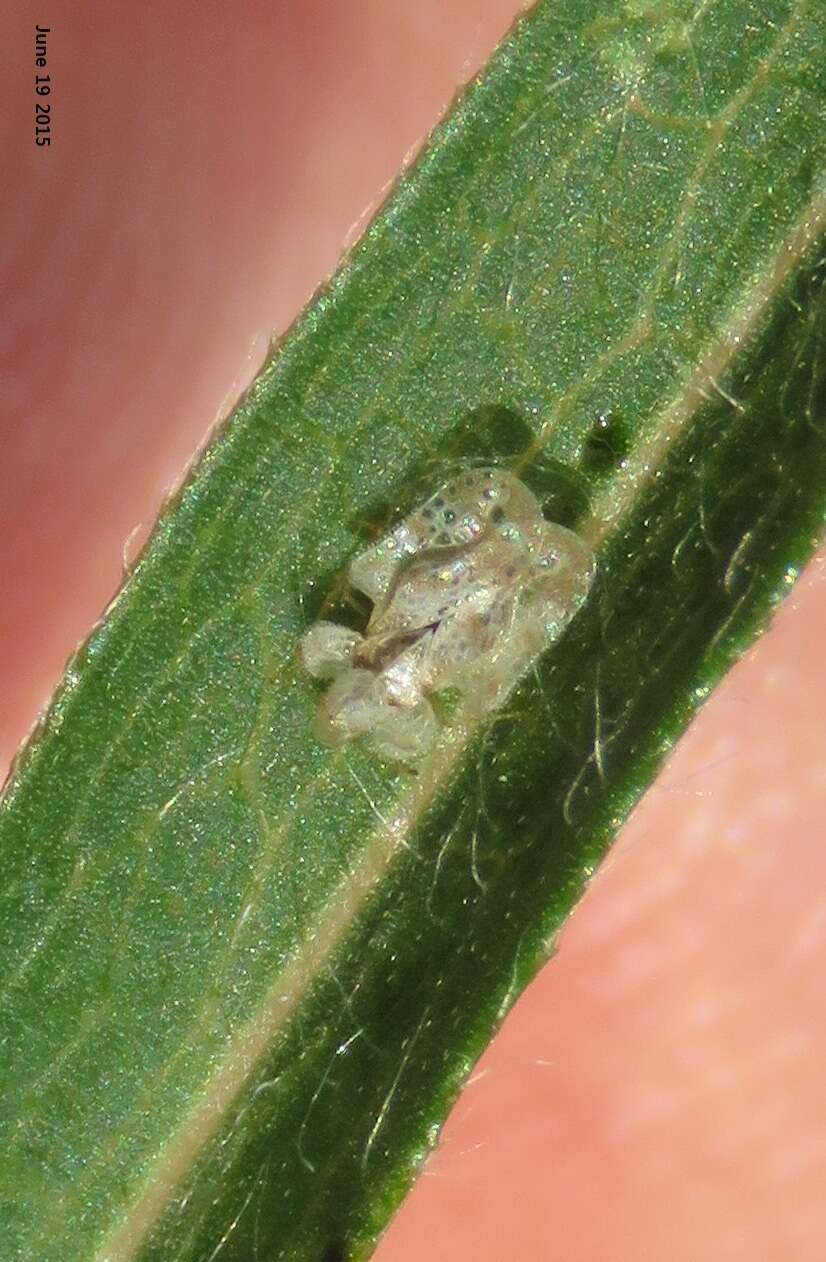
point(656, 1094)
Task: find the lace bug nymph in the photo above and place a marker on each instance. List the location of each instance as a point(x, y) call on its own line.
point(466, 591)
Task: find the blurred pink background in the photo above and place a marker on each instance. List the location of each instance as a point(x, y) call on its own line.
point(658, 1093)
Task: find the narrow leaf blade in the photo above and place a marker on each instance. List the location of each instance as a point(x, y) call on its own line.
point(245, 975)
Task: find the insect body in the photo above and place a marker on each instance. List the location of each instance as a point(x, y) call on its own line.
point(466, 591)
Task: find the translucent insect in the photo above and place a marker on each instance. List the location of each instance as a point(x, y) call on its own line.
point(466, 591)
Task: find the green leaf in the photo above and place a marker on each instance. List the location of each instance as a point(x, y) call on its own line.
point(245, 975)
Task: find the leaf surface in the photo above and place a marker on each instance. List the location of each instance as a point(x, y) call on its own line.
point(245, 975)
